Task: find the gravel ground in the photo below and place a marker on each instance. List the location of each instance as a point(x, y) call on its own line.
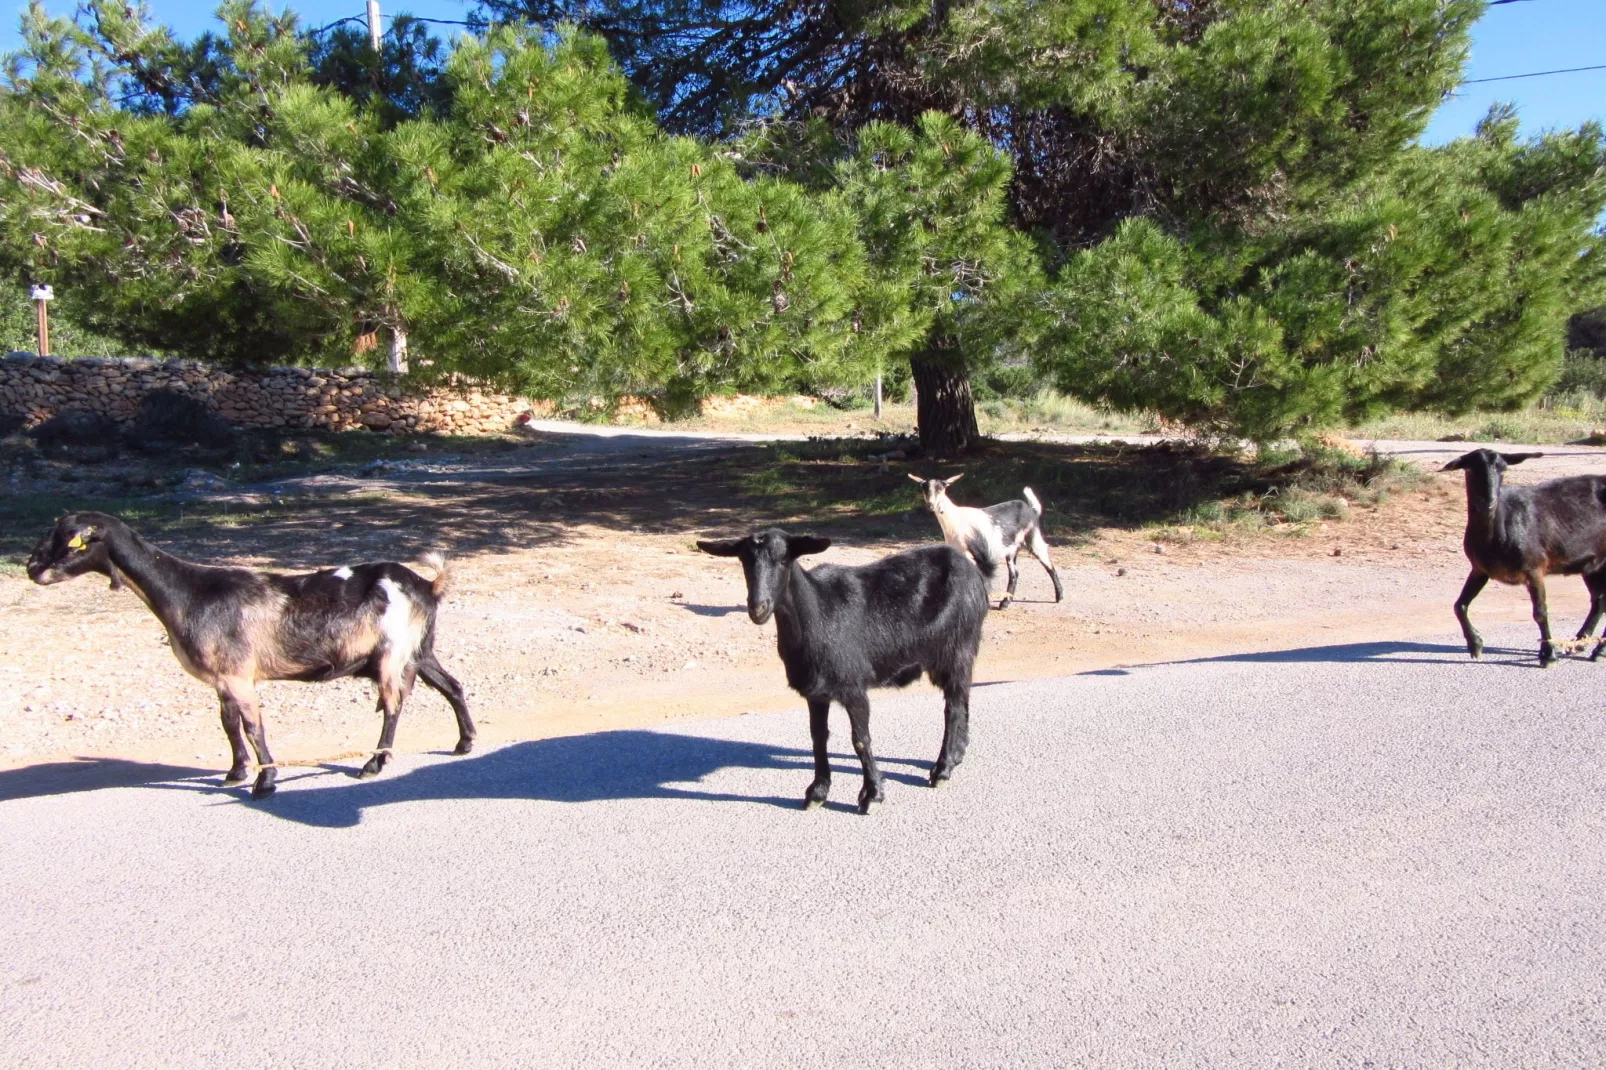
point(1328, 856)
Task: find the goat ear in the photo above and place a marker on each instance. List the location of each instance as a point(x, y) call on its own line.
point(917, 479)
point(951, 480)
point(803, 545)
point(720, 547)
point(1518, 458)
point(1457, 464)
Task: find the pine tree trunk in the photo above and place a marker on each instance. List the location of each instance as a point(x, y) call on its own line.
point(945, 411)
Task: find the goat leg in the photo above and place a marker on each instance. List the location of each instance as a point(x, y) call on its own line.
point(858, 707)
point(452, 691)
point(391, 697)
point(234, 728)
point(1014, 578)
point(246, 699)
point(1475, 583)
point(1596, 582)
point(1536, 591)
point(819, 732)
point(1039, 549)
point(956, 729)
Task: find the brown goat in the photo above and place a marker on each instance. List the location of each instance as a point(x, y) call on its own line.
point(232, 627)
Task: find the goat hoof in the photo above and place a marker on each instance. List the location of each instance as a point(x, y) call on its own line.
point(1596, 655)
point(463, 746)
point(231, 779)
point(938, 776)
point(1004, 604)
point(372, 768)
point(815, 795)
point(869, 795)
point(262, 791)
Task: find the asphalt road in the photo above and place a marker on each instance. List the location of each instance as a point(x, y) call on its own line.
point(1377, 855)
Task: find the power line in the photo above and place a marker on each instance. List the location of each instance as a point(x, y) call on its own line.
point(445, 22)
point(337, 22)
point(1534, 74)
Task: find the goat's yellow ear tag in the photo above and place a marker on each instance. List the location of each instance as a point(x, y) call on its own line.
point(76, 543)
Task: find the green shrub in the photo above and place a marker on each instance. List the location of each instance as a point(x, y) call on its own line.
point(1581, 372)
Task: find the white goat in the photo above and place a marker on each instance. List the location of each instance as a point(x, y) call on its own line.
point(1004, 529)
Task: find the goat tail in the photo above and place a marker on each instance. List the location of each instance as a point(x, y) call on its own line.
point(1031, 500)
point(443, 572)
point(982, 554)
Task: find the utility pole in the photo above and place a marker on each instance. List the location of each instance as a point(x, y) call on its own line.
point(397, 360)
point(42, 295)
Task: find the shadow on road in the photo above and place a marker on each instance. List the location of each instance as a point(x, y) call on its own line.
point(1351, 653)
point(1388, 652)
point(628, 764)
point(87, 774)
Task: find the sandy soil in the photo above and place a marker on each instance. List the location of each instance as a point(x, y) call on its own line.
point(621, 624)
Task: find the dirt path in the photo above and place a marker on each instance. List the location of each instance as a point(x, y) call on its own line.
point(571, 614)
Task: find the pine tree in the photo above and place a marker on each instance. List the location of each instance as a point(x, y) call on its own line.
point(1245, 237)
point(120, 207)
point(531, 227)
point(930, 204)
point(630, 261)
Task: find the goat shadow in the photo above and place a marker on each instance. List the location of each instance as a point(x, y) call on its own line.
point(711, 611)
point(1391, 652)
point(87, 774)
point(624, 764)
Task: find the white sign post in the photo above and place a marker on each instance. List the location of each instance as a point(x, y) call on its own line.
point(42, 295)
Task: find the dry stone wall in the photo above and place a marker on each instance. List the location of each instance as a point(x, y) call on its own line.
point(37, 388)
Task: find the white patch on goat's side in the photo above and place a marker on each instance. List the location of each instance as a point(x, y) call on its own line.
point(344, 573)
point(396, 624)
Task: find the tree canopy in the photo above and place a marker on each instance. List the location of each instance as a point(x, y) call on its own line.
point(1213, 209)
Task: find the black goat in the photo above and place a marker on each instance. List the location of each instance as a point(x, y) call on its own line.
point(1521, 534)
point(232, 627)
point(843, 630)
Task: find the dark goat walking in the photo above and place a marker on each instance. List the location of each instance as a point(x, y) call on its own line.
point(232, 627)
point(1521, 534)
point(843, 630)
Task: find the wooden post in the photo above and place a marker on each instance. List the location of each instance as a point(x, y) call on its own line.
point(878, 395)
point(42, 295)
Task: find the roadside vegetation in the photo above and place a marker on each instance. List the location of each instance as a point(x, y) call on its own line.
point(1173, 490)
point(1220, 213)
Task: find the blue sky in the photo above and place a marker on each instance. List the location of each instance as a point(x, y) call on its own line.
point(1515, 38)
point(1535, 35)
point(189, 18)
